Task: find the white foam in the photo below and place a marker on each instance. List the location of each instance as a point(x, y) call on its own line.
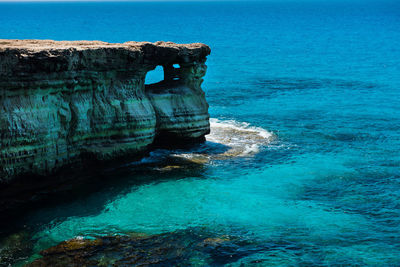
point(242, 138)
point(239, 138)
point(240, 126)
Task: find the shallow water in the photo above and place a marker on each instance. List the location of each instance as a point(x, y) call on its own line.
point(313, 171)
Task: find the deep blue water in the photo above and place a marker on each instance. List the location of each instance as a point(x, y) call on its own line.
point(323, 77)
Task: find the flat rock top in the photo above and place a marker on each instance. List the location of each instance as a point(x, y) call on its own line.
point(23, 57)
point(40, 45)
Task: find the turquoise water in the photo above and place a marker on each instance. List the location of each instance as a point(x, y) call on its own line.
point(322, 78)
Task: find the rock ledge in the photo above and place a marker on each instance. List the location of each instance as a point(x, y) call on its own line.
point(64, 102)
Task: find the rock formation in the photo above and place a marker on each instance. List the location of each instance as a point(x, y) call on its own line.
point(66, 102)
point(191, 247)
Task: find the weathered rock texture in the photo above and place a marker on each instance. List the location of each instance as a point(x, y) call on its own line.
point(191, 247)
point(62, 102)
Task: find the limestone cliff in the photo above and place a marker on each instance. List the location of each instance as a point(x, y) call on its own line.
point(64, 102)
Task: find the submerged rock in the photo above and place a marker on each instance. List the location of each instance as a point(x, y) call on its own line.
point(191, 247)
point(14, 247)
point(66, 103)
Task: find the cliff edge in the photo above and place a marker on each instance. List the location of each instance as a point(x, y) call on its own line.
point(66, 102)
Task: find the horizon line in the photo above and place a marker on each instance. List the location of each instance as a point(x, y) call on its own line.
point(64, 1)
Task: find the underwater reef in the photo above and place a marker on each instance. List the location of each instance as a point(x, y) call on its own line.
point(67, 103)
point(190, 247)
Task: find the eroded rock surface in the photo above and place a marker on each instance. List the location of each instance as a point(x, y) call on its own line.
point(191, 247)
point(64, 102)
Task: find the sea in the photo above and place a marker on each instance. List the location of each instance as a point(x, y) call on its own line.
point(303, 157)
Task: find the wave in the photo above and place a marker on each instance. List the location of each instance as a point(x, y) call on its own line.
point(241, 138)
point(227, 139)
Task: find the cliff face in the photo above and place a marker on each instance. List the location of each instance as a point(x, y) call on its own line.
point(64, 102)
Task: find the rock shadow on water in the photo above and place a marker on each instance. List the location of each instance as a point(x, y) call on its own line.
point(80, 195)
point(95, 186)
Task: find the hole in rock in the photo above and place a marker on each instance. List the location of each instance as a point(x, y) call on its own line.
point(155, 76)
point(176, 66)
point(163, 79)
